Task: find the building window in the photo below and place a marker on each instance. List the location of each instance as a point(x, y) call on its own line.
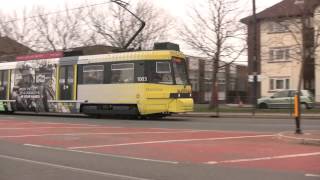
point(194, 85)
point(279, 54)
point(208, 86)
point(122, 73)
point(278, 27)
point(93, 74)
point(221, 87)
point(279, 84)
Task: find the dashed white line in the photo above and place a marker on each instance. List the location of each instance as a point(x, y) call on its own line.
point(168, 141)
point(85, 134)
point(73, 168)
point(265, 158)
point(102, 154)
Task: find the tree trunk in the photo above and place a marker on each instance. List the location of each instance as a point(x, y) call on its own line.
point(214, 102)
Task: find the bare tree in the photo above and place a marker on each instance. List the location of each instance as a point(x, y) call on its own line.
point(45, 31)
point(214, 30)
point(59, 31)
point(116, 26)
point(19, 27)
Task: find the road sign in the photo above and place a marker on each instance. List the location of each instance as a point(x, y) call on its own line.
point(251, 78)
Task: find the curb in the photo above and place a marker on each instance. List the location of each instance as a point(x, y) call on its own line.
point(236, 115)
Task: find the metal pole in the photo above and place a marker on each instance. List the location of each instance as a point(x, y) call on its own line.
point(143, 24)
point(303, 59)
point(255, 58)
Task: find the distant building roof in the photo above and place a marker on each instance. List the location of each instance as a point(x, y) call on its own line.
point(285, 8)
point(9, 48)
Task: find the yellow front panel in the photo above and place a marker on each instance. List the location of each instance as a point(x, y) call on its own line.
point(157, 99)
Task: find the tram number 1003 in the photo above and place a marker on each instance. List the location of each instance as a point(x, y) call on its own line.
point(142, 79)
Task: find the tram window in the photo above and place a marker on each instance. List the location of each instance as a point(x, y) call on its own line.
point(122, 73)
point(163, 73)
point(3, 84)
point(180, 71)
point(93, 74)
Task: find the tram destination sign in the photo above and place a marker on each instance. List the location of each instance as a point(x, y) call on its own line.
point(48, 55)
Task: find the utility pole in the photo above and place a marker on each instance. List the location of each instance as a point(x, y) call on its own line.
point(297, 112)
point(255, 58)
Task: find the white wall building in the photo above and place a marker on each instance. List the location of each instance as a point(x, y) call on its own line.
point(279, 44)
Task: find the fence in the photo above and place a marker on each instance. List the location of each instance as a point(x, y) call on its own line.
point(242, 104)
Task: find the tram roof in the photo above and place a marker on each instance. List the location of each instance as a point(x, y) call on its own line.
point(131, 56)
point(114, 57)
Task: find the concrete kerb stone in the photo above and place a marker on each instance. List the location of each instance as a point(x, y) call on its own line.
point(311, 137)
point(244, 115)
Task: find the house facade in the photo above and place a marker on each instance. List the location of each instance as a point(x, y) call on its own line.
point(281, 41)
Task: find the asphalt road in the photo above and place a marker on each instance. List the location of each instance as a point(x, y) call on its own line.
point(38, 160)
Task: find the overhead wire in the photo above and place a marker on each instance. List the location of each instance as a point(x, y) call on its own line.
point(57, 12)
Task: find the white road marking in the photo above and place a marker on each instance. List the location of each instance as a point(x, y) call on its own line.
point(36, 122)
point(72, 168)
point(168, 141)
point(101, 154)
point(51, 123)
point(51, 127)
point(312, 175)
point(86, 134)
point(297, 138)
point(266, 158)
point(97, 127)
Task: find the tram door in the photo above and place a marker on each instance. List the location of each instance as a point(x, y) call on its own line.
point(66, 82)
point(3, 84)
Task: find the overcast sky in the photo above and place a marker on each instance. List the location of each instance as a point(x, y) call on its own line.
point(175, 8)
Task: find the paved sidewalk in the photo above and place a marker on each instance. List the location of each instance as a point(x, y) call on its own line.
point(248, 115)
point(307, 137)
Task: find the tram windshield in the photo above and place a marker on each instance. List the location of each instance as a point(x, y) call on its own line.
point(167, 72)
point(180, 71)
point(161, 73)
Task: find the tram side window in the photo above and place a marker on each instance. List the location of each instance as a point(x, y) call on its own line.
point(122, 73)
point(163, 73)
point(3, 84)
point(93, 74)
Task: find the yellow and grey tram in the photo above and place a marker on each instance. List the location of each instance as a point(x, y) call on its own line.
point(137, 83)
